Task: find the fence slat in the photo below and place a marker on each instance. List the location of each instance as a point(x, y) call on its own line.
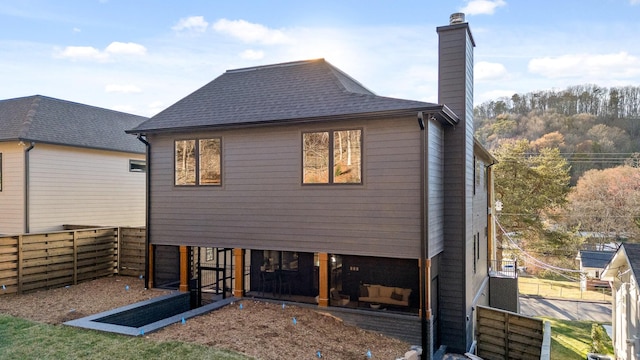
point(32, 262)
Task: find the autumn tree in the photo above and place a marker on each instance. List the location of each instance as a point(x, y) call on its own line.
point(607, 202)
point(532, 186)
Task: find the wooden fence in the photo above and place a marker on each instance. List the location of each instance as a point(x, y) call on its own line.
point(32, 262)
point(506, 335)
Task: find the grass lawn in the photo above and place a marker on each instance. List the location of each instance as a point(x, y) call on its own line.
point(23, 339)
point(572, 339)
point(560, 289)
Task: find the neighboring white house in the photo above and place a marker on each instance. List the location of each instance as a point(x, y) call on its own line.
point(592, 264)
point(623, 273)
point(68, 163)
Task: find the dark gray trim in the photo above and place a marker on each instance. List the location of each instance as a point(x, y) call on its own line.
point(147, 219)
point(440, 112)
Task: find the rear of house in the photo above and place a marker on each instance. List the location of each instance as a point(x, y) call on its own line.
point(68, 163)
point(320, 190)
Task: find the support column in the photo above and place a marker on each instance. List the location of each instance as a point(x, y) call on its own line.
point(426, 282)
point(150, 268)
point(238, 261)
point(323, 296)
point(184, 268)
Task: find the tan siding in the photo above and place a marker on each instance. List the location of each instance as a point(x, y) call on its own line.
point(262, 203)
point(85, 187)
point(12, 194)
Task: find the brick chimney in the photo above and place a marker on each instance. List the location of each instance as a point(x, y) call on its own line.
point(455, 90)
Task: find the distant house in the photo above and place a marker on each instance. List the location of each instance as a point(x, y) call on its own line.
point(67, 163)
point(623, 272)
point(592, 264)
point(324, 190)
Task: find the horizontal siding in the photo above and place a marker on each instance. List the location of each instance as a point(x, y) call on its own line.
point(436, 188)
point(12, 194)
point(262, 203)
point(85, 187)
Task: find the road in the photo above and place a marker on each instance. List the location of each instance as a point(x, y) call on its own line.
point(565, 309)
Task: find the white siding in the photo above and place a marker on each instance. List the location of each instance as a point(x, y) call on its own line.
point(12, 194)
point(84, 187)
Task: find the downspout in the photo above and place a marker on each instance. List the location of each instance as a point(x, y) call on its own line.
point(26, 185)
point(424, 241)
point(147, 220)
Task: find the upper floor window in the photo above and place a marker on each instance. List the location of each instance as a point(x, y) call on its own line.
point(197, 162)
point(332, 157)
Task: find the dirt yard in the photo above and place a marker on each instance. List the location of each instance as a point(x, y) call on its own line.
point(258, 329)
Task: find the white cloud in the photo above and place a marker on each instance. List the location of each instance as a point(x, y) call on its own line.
point(620, 64)
point(76, 30)
point(252, 54)
point(82, 53)
point(125, 89)
point(489, 71)
point(193, 23)
point(125, 48)
point(250, 32)
point(91, 53)
point(482, 7)
point(155, 107)
point(634, 2)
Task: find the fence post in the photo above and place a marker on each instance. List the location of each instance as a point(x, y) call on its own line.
point(118, 247)
point(75, 257)
point(20, 255)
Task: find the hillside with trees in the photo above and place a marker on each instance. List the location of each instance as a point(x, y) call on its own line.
point(569, 165)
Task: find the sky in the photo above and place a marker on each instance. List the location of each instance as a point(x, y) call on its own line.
point(142, 56)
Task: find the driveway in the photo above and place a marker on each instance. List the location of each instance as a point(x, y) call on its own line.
point(565, 309)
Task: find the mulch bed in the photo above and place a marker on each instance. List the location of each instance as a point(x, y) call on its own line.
point(259, 329)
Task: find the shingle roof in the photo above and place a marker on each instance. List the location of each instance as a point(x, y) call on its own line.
point(595, 259)
point(633, 256)
point(292, 91)
point(43, 119)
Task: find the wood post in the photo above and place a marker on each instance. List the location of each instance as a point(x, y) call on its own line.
point(323, 297)
point(150, 268)
point(20, 263)
point(184, 269)
point(238, 286)
point(426, 281)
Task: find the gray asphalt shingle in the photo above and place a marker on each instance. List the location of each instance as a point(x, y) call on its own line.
point(43, 119)
point(273, 93)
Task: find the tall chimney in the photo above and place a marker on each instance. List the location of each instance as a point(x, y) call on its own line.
point(455, 90)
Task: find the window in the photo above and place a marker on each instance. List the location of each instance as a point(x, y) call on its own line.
point(0, 171)
point(197, 162)
point(279, 260)
point(137, 165)
point(338, 151)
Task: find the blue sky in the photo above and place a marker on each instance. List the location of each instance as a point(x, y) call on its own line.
point(142, 56)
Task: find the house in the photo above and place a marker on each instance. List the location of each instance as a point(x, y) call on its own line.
point(317, 187)
point(591, 264)
point(623, 273)
point(67, 163)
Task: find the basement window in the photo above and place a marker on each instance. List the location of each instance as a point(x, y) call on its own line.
point(137, 165)
point(332, 157)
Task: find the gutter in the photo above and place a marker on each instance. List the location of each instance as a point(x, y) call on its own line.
point(147, 212)
point(26, 185)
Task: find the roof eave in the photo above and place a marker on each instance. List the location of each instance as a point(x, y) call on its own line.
point(440, 112)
